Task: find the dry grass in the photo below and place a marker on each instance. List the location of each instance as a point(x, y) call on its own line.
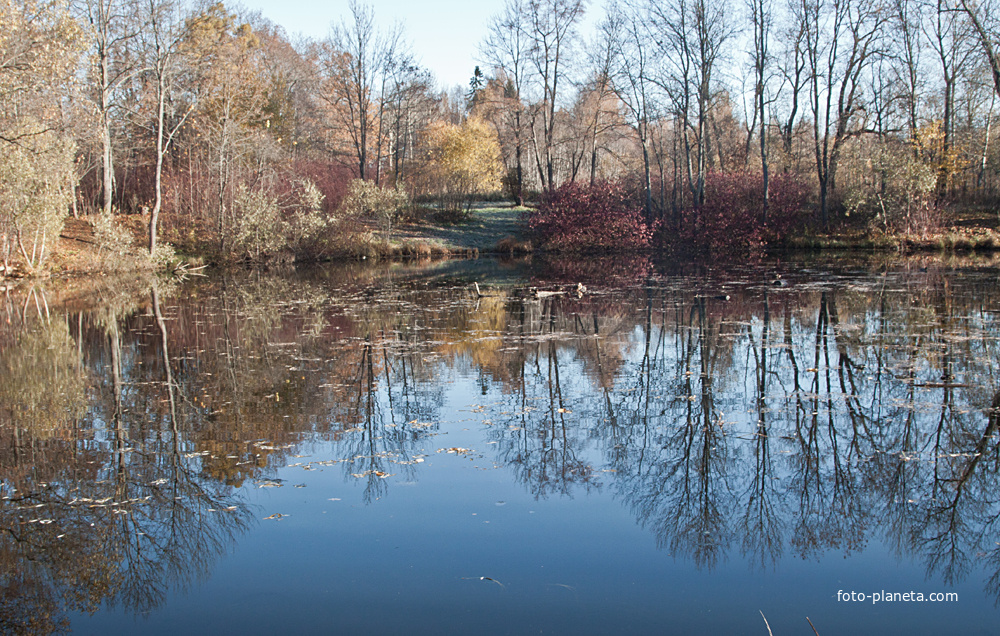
point(420, 248)
point(954, 239)
point(78, 253)
point(510, 244)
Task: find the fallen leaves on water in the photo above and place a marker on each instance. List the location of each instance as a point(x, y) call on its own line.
point(377, 473)
point(456, 450)
point(276, 515)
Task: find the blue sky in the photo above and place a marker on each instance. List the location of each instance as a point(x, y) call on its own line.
point(444, 34)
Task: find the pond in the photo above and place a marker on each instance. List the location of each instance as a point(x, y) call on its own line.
point(385, 449)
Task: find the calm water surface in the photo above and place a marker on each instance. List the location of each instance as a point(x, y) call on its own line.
point(381, 450)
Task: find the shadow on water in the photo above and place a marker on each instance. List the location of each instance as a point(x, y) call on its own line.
point(787, 409)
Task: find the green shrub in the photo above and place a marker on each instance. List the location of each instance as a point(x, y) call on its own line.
point(307, 224)
point(35, 194)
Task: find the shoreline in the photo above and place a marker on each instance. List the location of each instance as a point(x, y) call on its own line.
point(489, 231)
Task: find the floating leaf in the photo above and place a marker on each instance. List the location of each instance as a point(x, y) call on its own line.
point(457, 450)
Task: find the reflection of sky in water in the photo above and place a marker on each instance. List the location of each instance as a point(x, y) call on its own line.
point(412, 561)
point(676, 478)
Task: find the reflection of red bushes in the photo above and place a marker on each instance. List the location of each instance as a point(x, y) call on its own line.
point(579, 217)
point(732, 217)
point(620, 269)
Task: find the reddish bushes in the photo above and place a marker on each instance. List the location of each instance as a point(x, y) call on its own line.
point(579, 217)
point(332, 179)
point(732, 217)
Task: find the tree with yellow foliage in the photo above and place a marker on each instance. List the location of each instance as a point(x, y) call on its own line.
point(40, 47)
point(233, 91)
point(462, 161)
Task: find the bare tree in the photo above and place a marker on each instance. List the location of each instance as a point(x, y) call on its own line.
point(115, 25)
point(841, 39)
point(551, 29)
point(982, 20)
point(399, 70)
point(506, 48)
point(952, 44)
point(792, 68)
point(630, 77)
point(906, 21)
point(761, 18)
point(161, 42)
point(358, 61)
point(597, 99)
point(691, 34)
point(410, 107)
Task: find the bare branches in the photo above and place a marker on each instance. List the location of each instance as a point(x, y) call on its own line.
point(361, 66)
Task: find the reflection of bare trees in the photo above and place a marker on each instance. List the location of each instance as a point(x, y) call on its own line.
point(680, 489)
point(809, 419)
point(831, 514)
point(762, 518)
point(961, 522)
point(109, 511)
point(804, 419)
point(123, 538)
point(542, 440)
point(378, 437)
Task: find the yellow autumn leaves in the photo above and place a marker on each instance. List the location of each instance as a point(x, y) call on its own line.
point(462, 160)
point(39, 45)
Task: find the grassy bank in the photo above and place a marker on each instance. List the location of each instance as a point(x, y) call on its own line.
point(489, 228)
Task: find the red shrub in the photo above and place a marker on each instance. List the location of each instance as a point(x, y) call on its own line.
point(332, 179)
point(579, 217)
point(732, 216)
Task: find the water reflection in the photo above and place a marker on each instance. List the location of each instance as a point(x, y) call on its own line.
point(102, 502)
point(731, 415)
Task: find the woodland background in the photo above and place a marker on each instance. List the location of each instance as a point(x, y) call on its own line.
point(697, 120)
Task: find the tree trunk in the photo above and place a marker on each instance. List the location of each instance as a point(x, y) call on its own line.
point(154, 215)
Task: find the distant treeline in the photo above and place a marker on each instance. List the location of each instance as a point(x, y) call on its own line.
point(216, 126)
